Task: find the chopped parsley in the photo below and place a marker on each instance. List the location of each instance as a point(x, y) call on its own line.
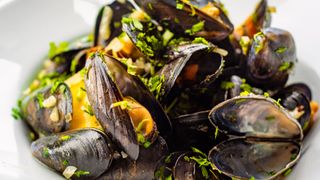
point(57, 49)
point(87, 109)
point(202, 161)
point(244, 93)
point(287, 172)
point(281, 50)
point(143, 141)
point(216, 133)
point(81, 173)
point(245, 44)
point(65, 162)
point(259, 40)
point(286, 66)
point(167, 36)
point(150, 6)
point(16, 113)
point(65, 137)
point(154, 84)
point(200, 40)
point(179, 5)
point(40, 99)
point(168, 158)
point(117, 24)
point(195, 28)
point(122, 104)
point(246, 87)
point(265, 94)
point(270, 118)
point(252, 178)
point(226, 85)
point(45, 152)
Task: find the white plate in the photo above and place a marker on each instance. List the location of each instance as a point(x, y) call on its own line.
point(27, 27)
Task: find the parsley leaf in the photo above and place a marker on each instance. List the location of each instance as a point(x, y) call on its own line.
point(195, 28)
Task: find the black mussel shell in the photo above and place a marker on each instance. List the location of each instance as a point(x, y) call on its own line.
point(48, 117)
point(190, 65)
point(132, 86)
point(254, 116)
point(108, 22)
point(215, 27)
point(102, 92)
point(294, 100)
point(299, 88)
point(143, 167)
point(245, 158)
point(271, 57)
point(88, 150)
point(193, 130)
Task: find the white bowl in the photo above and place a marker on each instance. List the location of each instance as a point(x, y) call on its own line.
point(27, 27)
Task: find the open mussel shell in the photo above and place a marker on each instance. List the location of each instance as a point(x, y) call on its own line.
point(142, 168)
point(242, 158)
point(271, 57)
point(48, 110)
point(191, 65)
point(133, 87)
point(217, 26)
point(254, 116)
point(88, 150)
point(108, 22)
point(259, 19)
point(294, 99)
point(102, 93)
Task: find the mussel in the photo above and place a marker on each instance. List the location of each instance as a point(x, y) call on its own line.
point(271, 57)
point(123, 118)
point(80, 154)
point(264, 140)
point(254, 159)
point(194, 65)
point(143, 167)
point(200, 18)
point(132, 86)
point(296, 99)
point(49, 109)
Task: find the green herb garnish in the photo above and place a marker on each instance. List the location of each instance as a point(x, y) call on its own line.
point(65, 162)
point(259, 40)
point(40, 99)
point(57, 49)
point(195, 28)
point(81, 173)
point(200, 40)
point(286, 66)
point(16, 113)
point(226, 85)
point(45, 152)
point(281, 50)
point(65, 137)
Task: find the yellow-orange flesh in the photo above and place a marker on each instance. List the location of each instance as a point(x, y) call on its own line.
point(80, 118)
point(140, 116)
